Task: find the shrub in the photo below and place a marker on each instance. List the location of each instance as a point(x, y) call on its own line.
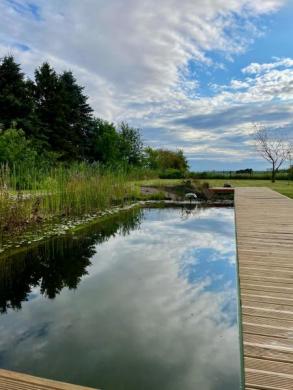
point(16, 149)
point(171, 174)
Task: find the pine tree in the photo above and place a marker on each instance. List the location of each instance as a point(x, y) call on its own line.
point(63, 115)
point(77, 114)
point(50, 121)
point(15, 97)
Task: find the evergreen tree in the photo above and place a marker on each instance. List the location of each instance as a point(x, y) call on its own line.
point(48, 109)
point(57, 120)
point(77, 115)
point(63, 115)
point(15, 98)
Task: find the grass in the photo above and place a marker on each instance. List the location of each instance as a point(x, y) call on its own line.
point(157, 182)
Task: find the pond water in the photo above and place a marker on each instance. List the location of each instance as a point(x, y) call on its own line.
point(147, 300)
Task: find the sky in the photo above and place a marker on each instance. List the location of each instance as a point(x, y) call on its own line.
point(191, 74)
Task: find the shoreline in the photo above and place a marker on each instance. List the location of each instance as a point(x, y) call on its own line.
point(49, 229)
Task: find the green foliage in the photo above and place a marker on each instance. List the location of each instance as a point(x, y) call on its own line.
point(115, 147)
point(15, 96)
point(171, 173)
point(104, 145)
point(290, 172)
point(69, 192)
point(131, 146)
point(55, 115)
point(48, 108)
point(77, 116)
point(19, 155)
point(171, 164)
point(62, 114)
point(16, 149)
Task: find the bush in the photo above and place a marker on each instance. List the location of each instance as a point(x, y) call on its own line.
point(171, 174)
point(16, 149)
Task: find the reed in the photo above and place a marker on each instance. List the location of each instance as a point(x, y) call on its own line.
point(31, 195)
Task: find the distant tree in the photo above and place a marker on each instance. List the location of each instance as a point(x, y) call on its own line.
point(290, 172)
point(247, 171)
point(275, 149)
point(104, 142)
point(131, 146)
point(15, 96)
point(164, 159)
point(151, 158)
point(181, 161)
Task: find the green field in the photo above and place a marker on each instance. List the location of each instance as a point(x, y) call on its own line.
point(283, 186)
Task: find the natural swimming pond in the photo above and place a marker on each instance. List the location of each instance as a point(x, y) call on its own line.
point(146, 300)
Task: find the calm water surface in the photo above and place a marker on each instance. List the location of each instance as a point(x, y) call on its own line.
point(146, 301)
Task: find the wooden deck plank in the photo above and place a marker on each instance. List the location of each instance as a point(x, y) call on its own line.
point(10, 380)
point(264, 228)
point(267, 354)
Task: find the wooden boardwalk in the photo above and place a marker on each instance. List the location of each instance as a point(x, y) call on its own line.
point(264, 226)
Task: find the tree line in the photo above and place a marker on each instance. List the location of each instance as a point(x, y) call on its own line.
point(50, 119)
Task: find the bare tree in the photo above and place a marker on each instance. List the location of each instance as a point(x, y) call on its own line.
point(275, 149)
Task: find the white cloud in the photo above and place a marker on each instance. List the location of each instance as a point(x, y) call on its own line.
point(221, 125)
point(136, 48)
point(260, 68)
point(133, 55)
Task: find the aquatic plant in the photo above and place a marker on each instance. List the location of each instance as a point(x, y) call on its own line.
point(30, 196)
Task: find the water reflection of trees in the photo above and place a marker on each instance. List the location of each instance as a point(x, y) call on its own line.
point(58, 263)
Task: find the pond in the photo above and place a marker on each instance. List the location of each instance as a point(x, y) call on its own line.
point(147, 300)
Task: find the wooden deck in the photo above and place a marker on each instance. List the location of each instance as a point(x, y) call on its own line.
point(10, 380)
point(222, 190)
point(264, 225)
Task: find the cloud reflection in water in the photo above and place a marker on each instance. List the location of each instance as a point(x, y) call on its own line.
point(156, 310)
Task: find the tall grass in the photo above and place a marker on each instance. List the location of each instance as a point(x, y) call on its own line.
point(31, 195)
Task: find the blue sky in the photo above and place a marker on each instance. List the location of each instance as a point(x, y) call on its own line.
point(195, 77)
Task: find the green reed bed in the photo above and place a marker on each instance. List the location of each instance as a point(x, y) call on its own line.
point(32, 196)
